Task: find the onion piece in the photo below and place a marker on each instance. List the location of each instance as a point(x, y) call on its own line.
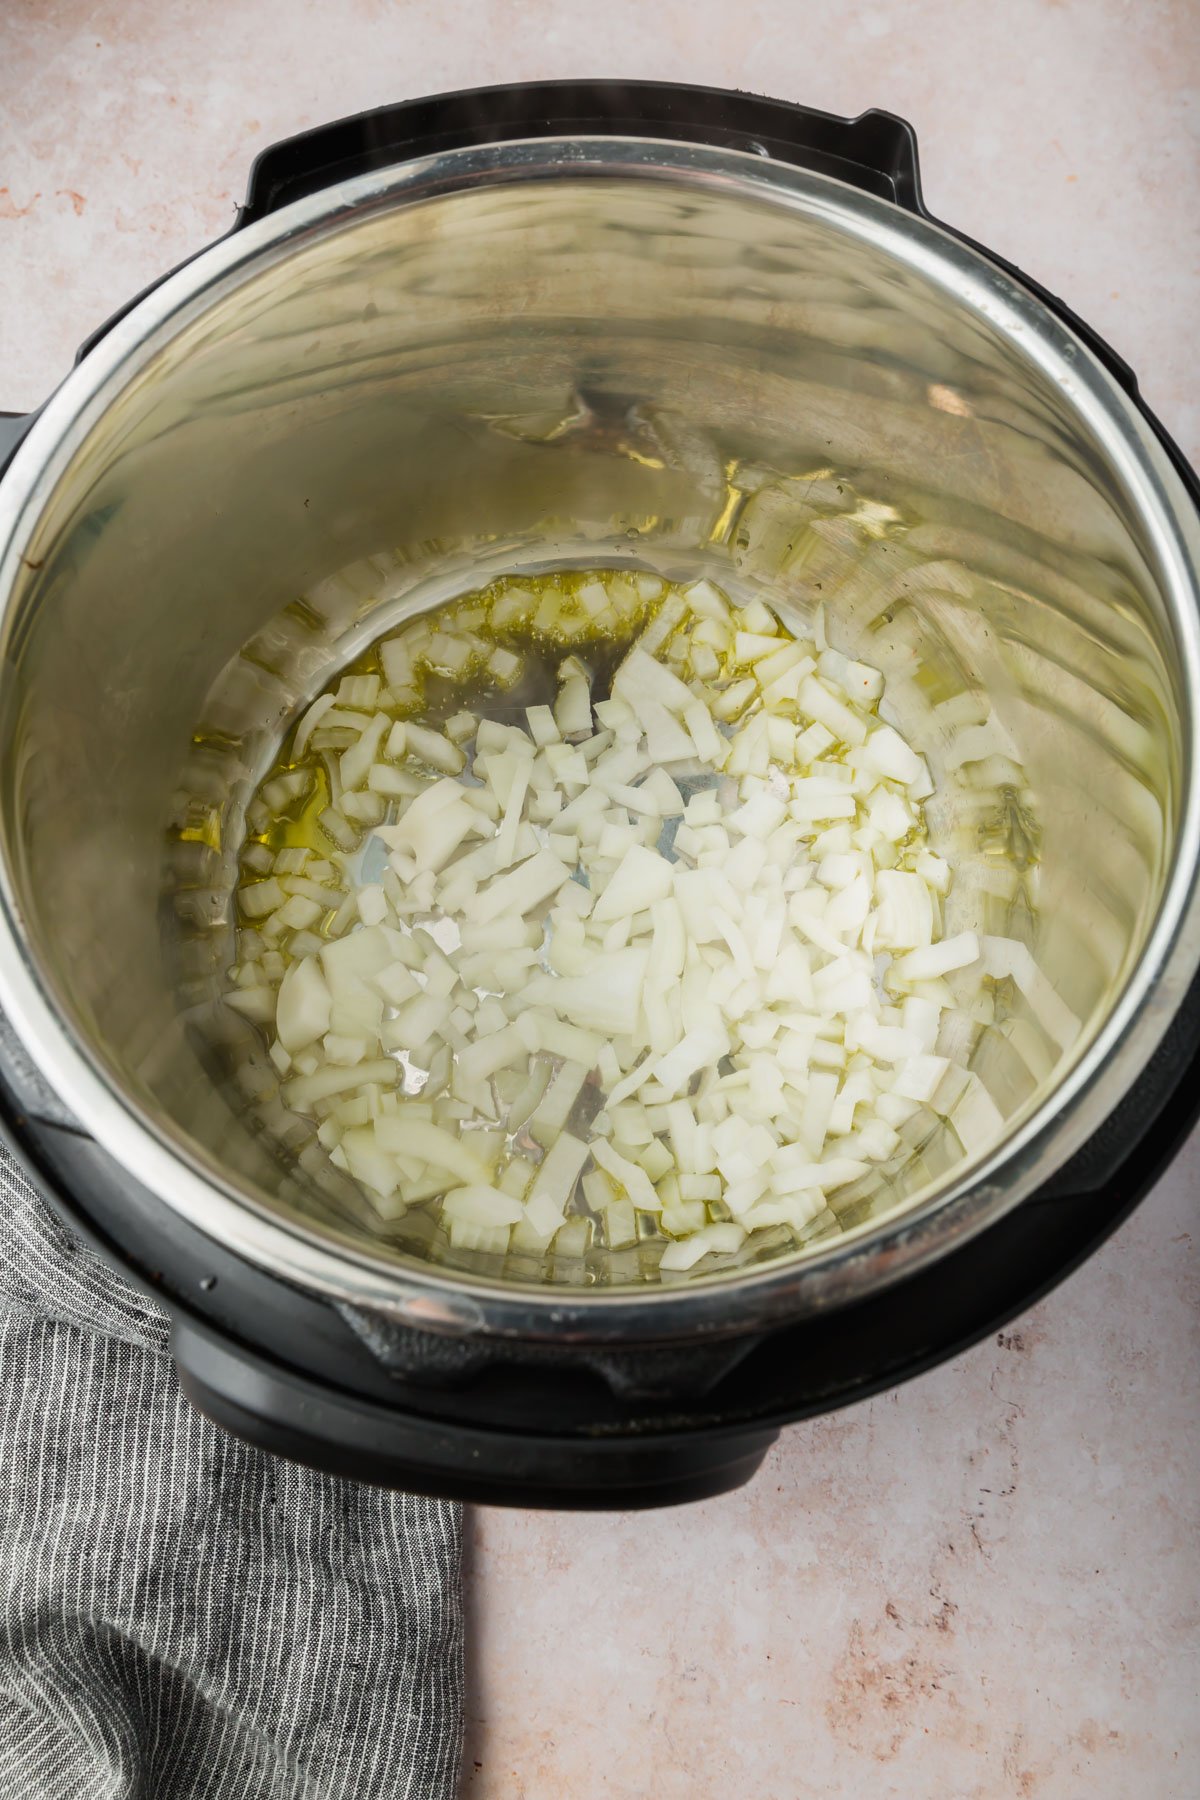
point(521, 889)
point(555, 1178)
point(627, 1176)
point(481, 1204)
point(404, 1135)
point(303, 1006)
point(605, 999)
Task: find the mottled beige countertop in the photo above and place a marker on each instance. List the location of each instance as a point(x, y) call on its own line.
point(985, 1584)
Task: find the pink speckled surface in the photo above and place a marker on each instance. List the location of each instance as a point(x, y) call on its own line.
point(986, 1584)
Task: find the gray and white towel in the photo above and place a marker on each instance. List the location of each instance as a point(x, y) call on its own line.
point(181, 1617)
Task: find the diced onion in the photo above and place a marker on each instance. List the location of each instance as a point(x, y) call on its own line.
point(665, 965)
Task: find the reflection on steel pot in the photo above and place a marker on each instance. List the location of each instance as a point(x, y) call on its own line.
point(517, 330)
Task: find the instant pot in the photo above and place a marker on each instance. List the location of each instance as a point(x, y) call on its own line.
point(605, 323)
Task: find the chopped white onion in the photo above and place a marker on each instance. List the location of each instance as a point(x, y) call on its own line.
point(697, 921)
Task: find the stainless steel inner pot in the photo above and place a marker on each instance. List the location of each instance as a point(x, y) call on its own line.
point(605, 351)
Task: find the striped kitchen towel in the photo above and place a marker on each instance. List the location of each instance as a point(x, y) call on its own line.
point(181, 1616)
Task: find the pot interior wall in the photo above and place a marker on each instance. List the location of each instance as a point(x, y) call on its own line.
point(574, 370)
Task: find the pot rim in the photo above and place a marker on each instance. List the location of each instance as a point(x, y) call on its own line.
point(874, 1254)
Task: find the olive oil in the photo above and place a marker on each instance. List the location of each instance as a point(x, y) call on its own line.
point(536, 619)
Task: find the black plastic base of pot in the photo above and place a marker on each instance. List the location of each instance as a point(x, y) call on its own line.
point(654, 1460)
point(271, 1407)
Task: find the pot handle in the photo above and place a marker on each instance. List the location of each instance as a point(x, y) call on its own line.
point(13, 427)
point(876, 152)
